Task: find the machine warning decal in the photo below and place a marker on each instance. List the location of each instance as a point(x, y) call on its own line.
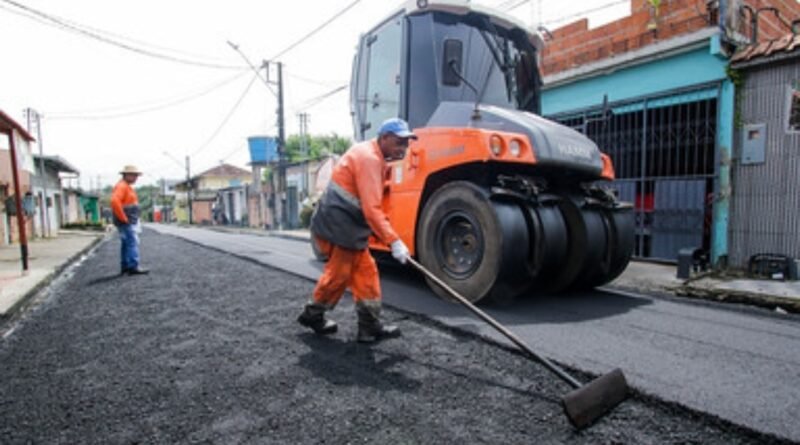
point(439, 153)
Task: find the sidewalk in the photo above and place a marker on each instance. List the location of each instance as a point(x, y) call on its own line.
point(46, 258)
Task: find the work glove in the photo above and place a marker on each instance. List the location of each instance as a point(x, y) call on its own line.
point(400, 251)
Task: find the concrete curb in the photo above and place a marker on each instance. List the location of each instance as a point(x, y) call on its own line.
point(25, 299)
point(274, 234)
point(771, 302)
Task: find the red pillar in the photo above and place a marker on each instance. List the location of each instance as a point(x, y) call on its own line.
point(23, 239)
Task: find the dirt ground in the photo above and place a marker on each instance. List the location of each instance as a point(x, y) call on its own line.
point(206, 349)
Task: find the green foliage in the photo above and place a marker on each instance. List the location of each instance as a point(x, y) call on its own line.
point(306, 212)
point(737, 79)
point(317, 146)
point(146, 194)
point(305, 217)
point(85, 225)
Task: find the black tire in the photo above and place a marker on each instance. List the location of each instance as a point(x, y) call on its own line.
point(472, 243)
point(588, 241)
point(549, 242)
point(621, 241)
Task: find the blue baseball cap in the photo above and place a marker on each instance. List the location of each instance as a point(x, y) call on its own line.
point(397, 127)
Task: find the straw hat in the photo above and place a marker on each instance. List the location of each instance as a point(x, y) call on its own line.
point(130, 170)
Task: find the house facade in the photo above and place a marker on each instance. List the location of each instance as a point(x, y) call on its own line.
point(203, 190)
point(47, 189)
point(653, 90)
point(12, 133)
point(765, 203)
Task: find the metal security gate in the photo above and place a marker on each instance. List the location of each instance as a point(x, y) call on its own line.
point(663, 149)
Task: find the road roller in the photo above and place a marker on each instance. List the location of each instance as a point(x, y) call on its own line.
point(494, 199)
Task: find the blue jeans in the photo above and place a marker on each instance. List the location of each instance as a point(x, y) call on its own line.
point(129, 240)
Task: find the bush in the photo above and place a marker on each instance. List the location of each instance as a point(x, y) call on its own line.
point(306, 212)
point(84, 225)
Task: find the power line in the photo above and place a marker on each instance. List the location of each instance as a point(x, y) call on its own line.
point(139, 109)
point(317, 29)
point(225, 121)
point(585, 13)
point(316, 100)
point(85, 31)
point(510, 7)
point(313, 81)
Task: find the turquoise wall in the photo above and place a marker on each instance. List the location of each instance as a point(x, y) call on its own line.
point(692, 68)
point(696, 67)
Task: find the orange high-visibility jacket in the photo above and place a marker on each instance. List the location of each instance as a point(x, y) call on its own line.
point(124, 203)
point(351, 207)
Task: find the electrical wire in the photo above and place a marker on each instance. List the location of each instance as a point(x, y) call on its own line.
point(138, 109)
point(317, 29)
point(227, 118)
point(316, 100)
point(586, 12)
point(86, 31)
point(509, 8)
point(312, 81)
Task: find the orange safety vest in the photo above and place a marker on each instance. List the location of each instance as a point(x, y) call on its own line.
point(351, 207)
point(124, 204)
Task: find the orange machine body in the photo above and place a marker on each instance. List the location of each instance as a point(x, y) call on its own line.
point(438, 149)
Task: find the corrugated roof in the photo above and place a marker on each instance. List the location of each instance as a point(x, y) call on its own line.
point(762, 52)
point(224, 170)
point(58, 163)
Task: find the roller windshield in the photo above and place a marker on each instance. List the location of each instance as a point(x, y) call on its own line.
point(499, 63)
point(494, 65)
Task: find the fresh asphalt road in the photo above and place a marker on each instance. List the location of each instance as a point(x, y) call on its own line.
point(206, 349)
point(740, 364)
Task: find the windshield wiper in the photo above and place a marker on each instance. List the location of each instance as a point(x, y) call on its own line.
point(497, 53)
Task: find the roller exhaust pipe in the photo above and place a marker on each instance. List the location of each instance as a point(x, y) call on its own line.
point(586, 403)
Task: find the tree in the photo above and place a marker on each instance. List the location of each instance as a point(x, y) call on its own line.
point(317, 146)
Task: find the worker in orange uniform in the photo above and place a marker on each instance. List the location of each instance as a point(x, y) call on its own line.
point(125, 209)
point(348, 212)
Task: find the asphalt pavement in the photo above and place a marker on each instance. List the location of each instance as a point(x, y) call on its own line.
point(206, 349)
point(732, 361)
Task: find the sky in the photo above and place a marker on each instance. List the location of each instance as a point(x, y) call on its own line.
point(172, 85)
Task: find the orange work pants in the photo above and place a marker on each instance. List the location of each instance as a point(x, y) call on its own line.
point(345, 268)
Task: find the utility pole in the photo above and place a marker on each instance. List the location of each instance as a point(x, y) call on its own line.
point(281, 149)
point(282, 220)
point(34, 117)
point(303, 119)
point(189, 189)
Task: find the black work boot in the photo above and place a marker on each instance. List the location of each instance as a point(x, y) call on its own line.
point(370, 328)
point(313, 317)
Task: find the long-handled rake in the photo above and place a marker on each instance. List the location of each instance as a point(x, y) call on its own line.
point(586, 403)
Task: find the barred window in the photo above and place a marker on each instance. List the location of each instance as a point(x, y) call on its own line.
point(794, 107)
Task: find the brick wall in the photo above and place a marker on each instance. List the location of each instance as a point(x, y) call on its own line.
point(575, 44)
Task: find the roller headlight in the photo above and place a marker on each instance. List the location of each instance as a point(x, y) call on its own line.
point(515, 148)
point(496, 144)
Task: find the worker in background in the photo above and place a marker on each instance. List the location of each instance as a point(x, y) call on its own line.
point(348, 212)
point(125, 209)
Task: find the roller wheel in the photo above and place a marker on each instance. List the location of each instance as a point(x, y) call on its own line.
point(586, 254)
point(472, 243)
point(621, 240)
point(548, 246)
